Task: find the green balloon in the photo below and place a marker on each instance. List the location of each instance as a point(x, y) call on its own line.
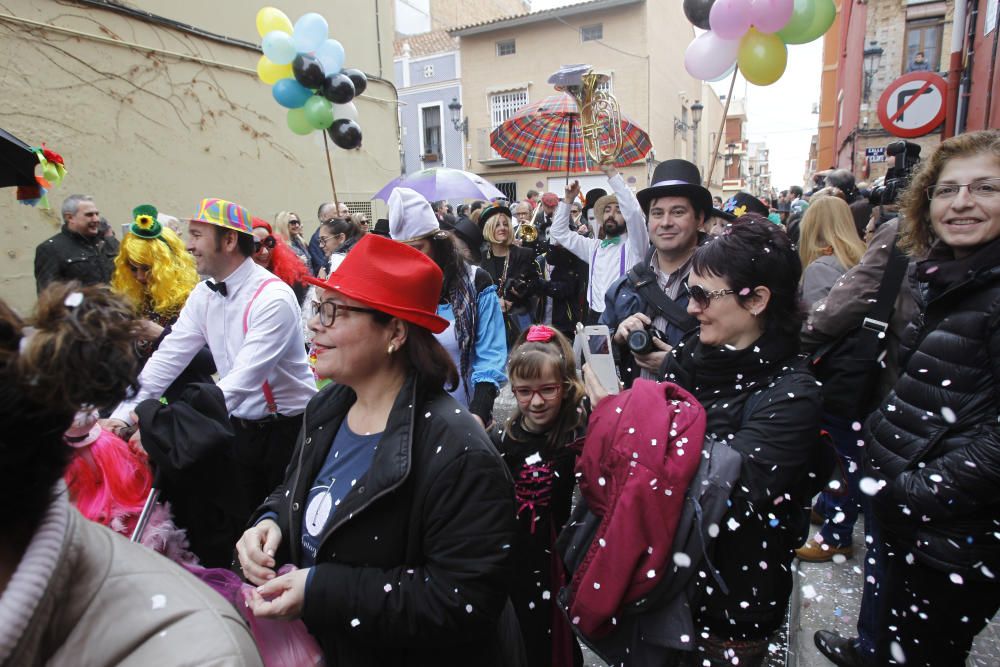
point(803, 14)
point(298, 123)
point(826, 12)
point(319, 112)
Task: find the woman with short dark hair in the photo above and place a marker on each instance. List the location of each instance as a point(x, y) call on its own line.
point(742, 365)
point(396, 507)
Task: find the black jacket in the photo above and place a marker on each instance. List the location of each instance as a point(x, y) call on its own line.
point(767, 519)
point(567, 287)
point(935, 442)
point(414, 564)
point(70, 256)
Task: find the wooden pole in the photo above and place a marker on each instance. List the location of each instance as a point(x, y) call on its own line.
point(329, 167)
point(722, 129)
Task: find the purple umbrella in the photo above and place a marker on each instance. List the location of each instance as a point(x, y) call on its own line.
point(443, 183)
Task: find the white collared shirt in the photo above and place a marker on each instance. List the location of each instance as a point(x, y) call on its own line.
point(272, 348)
point(608, 263)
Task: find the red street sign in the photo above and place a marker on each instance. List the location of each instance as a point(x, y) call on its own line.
point(913, 104)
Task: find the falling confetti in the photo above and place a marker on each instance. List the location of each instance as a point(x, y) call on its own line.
point(159, 601)
point(948, 414)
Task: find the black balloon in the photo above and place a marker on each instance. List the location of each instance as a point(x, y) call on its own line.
point(338, 88)
point(358, 78)
point(308, 71)
point(697, 12)
point(345, 133)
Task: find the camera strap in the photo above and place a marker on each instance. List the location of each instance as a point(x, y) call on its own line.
point(643, 280)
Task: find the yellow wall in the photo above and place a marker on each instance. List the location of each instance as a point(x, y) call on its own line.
point(139, 127)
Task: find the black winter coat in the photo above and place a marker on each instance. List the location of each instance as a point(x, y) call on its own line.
point(767, 519)
point(69, 256)
point(414, 564)
point(935, 442)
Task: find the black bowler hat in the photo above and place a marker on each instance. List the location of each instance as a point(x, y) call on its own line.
point(381, 227)
point(591, 199)
point(675, 178)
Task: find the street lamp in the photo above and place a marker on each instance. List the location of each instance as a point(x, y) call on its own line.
point(461, 125)
point(873, 57)
point(696, 110)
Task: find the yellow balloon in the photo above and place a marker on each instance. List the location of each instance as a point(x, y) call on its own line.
point(762, 57)
point(270, 73)
point(271, 18)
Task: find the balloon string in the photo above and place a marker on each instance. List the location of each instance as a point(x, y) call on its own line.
point(722, 128)
point(329, 167)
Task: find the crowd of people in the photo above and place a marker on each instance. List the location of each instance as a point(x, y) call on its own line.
point(317, 415)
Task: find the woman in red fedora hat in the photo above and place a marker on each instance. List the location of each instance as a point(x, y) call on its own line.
point(396, 508)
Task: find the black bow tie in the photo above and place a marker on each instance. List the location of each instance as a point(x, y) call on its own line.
point(217, 287)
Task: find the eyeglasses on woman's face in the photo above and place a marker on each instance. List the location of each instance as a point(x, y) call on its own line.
point(984, 188)
point(327, 311)
point(704, 297)
point(294, 223)
point(548, 392)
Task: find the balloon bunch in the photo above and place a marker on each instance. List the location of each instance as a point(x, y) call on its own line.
point(751, 34)
point(306, 70)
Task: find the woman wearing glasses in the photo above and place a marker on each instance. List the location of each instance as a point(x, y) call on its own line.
point(537, 446)
point(396, 508)
point(934, 446)
point(741, 365)
point(274, 255)
point(288, 228)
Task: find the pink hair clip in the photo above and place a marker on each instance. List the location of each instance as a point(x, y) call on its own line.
point(539, 333)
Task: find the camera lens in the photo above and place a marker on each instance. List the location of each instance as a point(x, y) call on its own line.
point(640, 342)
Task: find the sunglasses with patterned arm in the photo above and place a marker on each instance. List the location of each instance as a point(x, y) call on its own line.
point(704, 297)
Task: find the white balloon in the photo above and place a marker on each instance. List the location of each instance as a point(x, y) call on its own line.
point(348, 111)
point(708, 56)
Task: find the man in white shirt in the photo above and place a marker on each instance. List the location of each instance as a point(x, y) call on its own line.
point(625, 238)
point(250, 321)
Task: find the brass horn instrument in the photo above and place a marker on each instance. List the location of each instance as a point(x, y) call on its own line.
point(600, 116)
point(527, 231)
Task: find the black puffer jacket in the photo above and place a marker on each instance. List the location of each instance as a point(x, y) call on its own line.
point(414, 564)
point(935, 442)
point(70, 256)
point(767, 520)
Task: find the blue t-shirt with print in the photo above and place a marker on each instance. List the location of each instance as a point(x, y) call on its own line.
point(348, 460)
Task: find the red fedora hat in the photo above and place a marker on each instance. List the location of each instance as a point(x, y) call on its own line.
point(390, 277)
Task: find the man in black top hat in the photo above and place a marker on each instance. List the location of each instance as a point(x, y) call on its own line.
point(653, 293)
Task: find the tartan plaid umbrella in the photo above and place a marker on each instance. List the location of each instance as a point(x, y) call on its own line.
point(547, 135)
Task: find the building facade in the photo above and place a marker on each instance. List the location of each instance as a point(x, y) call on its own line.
point(506, 64)
point(163, 106)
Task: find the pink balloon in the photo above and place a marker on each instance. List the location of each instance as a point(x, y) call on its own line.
point(709, 56)
point(770, 15)
point(730, 19)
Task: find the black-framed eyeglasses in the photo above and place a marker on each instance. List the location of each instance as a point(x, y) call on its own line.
point(985, 188)
point(548, 392)
point(704, 297)
point(327, 311)
point(323, 239)
point(266, 242)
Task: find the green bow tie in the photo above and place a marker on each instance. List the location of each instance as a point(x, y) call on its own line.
point(611, 240)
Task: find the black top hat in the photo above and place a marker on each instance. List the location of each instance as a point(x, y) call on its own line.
point(676, 178)
point(592, 197)
point(381, 227)
point(744, 202)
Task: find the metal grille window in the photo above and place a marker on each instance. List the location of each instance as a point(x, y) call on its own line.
point(606, 87)
point(360, 207)
point(589, 33)
point(504, 105)
point(506, 47)
point(508, 188)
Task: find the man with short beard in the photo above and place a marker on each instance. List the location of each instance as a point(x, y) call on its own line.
point(624, 244)
point(653, 293)
point(79, 251)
